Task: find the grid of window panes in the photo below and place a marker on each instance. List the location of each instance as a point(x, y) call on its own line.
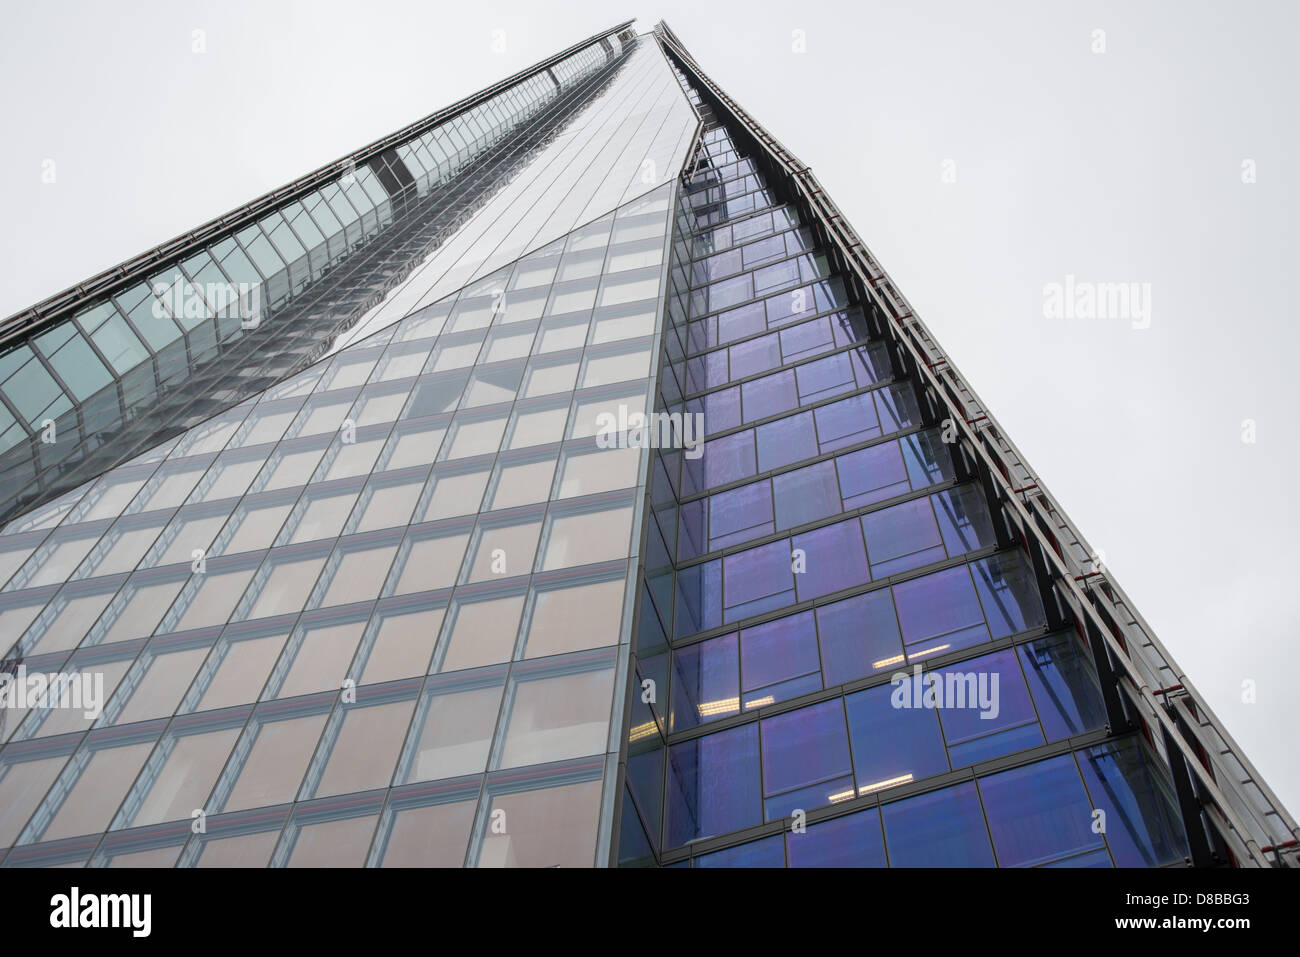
point(130, 357)
point(824, 541)
point(284, 250)
point(374, 615)
point(632, 137)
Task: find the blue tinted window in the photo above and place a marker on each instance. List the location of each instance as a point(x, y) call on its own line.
point(713, 785)
point(721, 410)
point(755, 356)
point(854, 840)
point(894, 740)
point(704, 372)
point(847, 422)
point(859, 636)
point(779, 660)
point(1009, 594)
point(985, 709)
point(790, 305)
point(807, 339)
point(801, 750)
point(940, 829)
point(1142, 828)
point(633, 842)
point(699, 598)
point(692, 539)
point(740, 514)
point(896, 406)
point(833, 559)
point(806, 495)
point(964, 519)
point(768, 852)
point(872, 475)
point(706, 682)
point(902, 537)
point(940, 612)
point(1064, 686)
point(1038, 813)
point(742, 322)
point(825, 378)
point(786, 441)
point(80, 368)
point(928, 461)
point(770, 395)
point(757, 580)
point(724, 460)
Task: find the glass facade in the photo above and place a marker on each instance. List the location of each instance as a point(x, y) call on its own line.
point(827, 551)
point(178, 338)
point(387, 594)
point(571, 508)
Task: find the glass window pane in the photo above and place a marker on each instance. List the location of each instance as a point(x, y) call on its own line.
point(941, 829)
point(557, 712)
point(452, 731)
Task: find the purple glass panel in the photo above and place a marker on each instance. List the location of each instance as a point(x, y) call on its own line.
point(988, 694)
point(859, 636)
point(706, 371)
point(721, 410)
point(901, 537)
point(941, 610)
point(896, 739)
point(831, 295)
point(825, 378)
point(1011, 600)
point(872, 475)
point(847, 422)
point(870, 364)
point(757, 580)
point(740, 514)
point(1039, 812)
point(928, 460)
point(706, 682)
point(778, 651)
point(807, 339)
point(897, 408)
point(741, 322)
point(942, 829)
point(786, 441)
point(728, 292)
point(713, 785)
point(854, 840)
point(723, 460)
point(805, 747)
point(769, 395)
point(691, 539)
point(699, 598)
point(806, 494)
point(765, 249)
point(834, 559)
point(776, 276)
point(768, 852)
point(964, 519)
point(788, 306)
point(755, 356)
point(718, 266)
point(702, 334)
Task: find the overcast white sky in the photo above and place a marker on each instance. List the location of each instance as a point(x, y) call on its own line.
point(1122, 166)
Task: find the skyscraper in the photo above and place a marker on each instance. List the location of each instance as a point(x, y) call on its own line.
point(560, 481)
